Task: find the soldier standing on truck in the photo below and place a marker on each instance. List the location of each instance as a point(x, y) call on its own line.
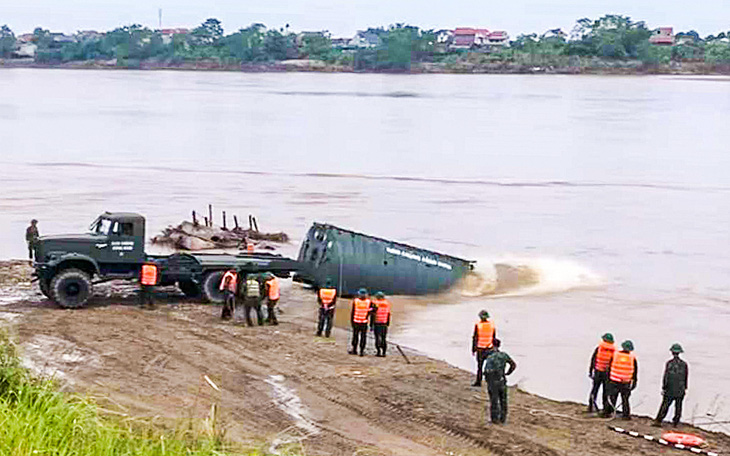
point(147, 280)
point(252, 299)
point(272, 298)
point(229, 286)
point(31, 238)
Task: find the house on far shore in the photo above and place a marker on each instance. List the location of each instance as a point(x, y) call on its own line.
point(663, 36)
point(478, 38)
point(498, 38)
point(468, 37)
point(167, 34)
point(25, 38)
point(444, 36)
point(85, 35)
point(365, 39)
point(340, 43)
point(24, 50)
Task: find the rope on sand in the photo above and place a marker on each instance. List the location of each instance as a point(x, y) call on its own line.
point(661, 441)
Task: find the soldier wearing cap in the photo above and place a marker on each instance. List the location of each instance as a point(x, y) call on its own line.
point(482, 342)
point(31, 238)
point(362, 309)
point(382, 321)
point(674, 385)
point(623, 375)
point(495, 374)
point(598, 370)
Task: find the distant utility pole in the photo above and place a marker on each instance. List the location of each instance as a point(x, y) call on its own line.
point(159, 18)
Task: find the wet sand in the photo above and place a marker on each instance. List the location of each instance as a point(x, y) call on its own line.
point(282, 386)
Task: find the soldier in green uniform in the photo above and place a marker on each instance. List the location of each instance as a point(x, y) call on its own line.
point(253, 292)
point(31, 238)
point(674, 386)
point(495, 376)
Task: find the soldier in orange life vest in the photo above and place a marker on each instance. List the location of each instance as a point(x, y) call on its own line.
point(272, 298)
point(362, 308)
point(598, 370)
point(623, 374)
point(147, 279)
point(327, 299)
point(382, 321)
point(229, 287)
point(482, 342)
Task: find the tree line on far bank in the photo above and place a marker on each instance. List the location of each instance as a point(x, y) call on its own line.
point(609, 38)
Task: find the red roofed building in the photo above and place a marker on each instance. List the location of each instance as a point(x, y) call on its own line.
point(467, 37)
point(498, 38)
point(663, 36)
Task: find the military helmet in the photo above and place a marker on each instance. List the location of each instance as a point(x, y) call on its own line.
point(608, 337)
point(676, 348)
point(362, 292)
point(380, 295)
point(627, 345)
point(483, 314)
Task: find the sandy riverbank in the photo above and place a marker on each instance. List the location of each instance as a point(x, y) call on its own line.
point(282, 384)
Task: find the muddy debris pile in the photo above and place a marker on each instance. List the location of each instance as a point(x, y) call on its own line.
point(205, 236)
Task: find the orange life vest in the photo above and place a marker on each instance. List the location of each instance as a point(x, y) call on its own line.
point(485, 334)
point(273, 284)
point(383, 312)
point(327, 295)
point(231, 277)
point(249, 247)
point(622, 367)
point(149, 274)
point(604, 355)
point(362, 307)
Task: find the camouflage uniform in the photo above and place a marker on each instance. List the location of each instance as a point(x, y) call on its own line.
point(495, 376)
point(31, 237)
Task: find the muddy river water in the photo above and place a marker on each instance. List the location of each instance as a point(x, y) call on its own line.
point(614, 190)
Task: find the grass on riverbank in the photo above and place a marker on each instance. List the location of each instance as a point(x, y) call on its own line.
point(37, 419)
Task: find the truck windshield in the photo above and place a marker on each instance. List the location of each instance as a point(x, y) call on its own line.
point(100, 226)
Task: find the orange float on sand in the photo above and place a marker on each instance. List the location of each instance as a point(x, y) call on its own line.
point(684, 439)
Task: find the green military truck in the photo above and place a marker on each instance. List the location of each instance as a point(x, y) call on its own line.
point(67, 266)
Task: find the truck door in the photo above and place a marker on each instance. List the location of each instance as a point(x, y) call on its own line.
point(124, 246)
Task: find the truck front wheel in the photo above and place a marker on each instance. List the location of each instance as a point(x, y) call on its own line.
point(71, 288)
point(211, 285)
point(45, 286)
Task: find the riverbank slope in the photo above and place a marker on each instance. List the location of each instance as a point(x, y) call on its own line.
point(282, 386)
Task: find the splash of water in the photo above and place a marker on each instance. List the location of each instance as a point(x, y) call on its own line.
point(516, 276)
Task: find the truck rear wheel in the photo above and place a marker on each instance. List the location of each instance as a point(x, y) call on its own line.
point(211, 284)
point(189, 288)
point(71, 288)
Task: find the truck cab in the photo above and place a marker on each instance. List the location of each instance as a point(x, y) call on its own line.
point(113, 247)
point(118, 238)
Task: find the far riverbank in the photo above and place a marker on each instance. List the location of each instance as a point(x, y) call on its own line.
point(479, 65)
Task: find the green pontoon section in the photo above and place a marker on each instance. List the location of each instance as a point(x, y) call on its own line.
point(355, 260)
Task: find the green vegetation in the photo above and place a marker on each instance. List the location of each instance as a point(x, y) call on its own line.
point(36, 419)
point(610, 40)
